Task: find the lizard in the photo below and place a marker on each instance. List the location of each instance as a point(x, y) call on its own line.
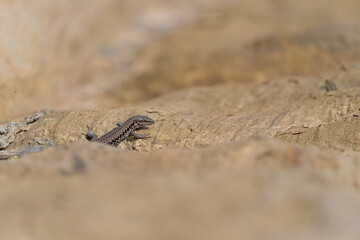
point(124, 130)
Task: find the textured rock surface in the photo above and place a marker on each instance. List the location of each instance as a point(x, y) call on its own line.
point(295, 109)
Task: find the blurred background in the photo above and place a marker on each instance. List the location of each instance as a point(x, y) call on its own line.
point(94, 54)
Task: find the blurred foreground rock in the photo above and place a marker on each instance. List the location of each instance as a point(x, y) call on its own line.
point(260, 189)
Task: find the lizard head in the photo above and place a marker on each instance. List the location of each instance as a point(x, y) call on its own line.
point(143, 120)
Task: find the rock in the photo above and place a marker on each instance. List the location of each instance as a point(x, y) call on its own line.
point(283, 190)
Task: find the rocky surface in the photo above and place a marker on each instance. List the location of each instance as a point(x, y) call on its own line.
point(248, 142)
point(295, 109)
